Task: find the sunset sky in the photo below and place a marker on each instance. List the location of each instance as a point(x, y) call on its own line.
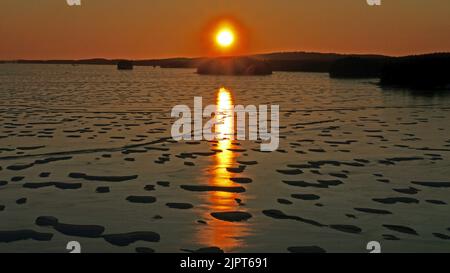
point(144, 29)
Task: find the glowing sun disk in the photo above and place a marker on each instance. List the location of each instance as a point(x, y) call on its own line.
point(225, 38)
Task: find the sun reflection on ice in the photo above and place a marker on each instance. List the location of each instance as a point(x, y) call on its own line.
point(220, 233)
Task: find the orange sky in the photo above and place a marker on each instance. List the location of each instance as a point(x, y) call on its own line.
point(143, 29)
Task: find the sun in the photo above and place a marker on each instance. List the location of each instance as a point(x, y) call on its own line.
point(225, 38)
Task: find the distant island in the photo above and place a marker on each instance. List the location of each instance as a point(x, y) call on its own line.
point(430, 71)
point(125, 65)
point(281, 61)
point(235, 66)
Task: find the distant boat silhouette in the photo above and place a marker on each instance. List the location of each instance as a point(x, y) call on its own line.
point(125, 65)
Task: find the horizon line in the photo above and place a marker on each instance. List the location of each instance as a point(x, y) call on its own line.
point(242, 55)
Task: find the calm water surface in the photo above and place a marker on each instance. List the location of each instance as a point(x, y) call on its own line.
point(355, 164)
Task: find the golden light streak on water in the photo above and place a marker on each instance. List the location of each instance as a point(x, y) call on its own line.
point(220, 233)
